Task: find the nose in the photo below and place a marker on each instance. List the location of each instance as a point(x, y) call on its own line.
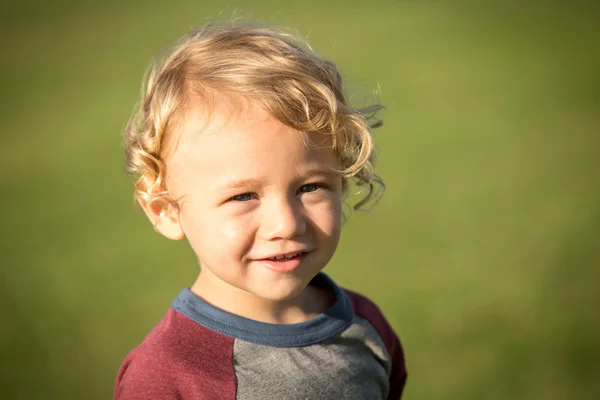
point(282, 219)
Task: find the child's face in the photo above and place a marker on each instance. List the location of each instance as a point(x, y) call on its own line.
point(252, 190)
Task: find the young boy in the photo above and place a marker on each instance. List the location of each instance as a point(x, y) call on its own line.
point(244, 145)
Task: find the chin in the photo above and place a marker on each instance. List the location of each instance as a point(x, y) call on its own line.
point(282, 291)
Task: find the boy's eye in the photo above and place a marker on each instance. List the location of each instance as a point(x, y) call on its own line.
point(242, 197)
point(311, 187)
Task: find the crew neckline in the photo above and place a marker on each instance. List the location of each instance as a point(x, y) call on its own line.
point(322, 327)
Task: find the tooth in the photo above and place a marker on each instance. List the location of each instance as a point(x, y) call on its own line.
point(279, 257)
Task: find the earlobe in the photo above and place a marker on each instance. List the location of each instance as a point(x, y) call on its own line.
point(164, 217)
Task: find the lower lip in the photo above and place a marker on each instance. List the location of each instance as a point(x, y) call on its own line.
point(284, 265)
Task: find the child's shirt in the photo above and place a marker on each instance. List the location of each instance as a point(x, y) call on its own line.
point(201, 352)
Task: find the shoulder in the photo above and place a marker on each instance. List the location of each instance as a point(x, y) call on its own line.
point(366, 309)
point(179, 359)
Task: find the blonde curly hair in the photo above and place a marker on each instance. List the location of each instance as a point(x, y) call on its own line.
point(260, 65)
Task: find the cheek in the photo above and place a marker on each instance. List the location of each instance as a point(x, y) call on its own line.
point(213, 235)
point(336, 222)
point(327, 218)
point(231, 230)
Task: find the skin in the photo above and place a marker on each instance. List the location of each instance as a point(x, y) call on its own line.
point(249, 188)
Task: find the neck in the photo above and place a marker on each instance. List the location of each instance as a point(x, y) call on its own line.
point(306, 305)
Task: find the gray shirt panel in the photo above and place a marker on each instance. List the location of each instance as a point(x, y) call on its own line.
point(354, 364)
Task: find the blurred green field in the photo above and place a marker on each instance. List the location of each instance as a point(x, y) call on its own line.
point(484, 252)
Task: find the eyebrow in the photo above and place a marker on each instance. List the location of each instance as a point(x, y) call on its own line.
point(244, 184)
point(240, 184)
point(320, 172)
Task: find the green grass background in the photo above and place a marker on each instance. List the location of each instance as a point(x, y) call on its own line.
point(484, 253)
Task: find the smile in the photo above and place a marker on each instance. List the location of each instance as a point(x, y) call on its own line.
point(288, 256)
point(284, 263)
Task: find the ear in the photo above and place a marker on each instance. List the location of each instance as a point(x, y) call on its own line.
point(164, 216)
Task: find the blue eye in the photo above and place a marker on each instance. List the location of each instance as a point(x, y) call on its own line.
point(311, 187)
point(242, 197)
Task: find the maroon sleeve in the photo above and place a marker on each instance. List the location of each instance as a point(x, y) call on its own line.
point(145, 376)
point(178, 360)
point(366, 309)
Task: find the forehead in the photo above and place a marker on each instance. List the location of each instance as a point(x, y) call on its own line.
point(248, 143)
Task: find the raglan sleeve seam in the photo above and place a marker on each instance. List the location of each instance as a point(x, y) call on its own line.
point(368, 310)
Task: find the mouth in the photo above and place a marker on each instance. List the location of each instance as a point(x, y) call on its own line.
point(286, 257)
point(284, 263)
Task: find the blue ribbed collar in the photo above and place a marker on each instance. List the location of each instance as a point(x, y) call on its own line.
point(324, 326)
